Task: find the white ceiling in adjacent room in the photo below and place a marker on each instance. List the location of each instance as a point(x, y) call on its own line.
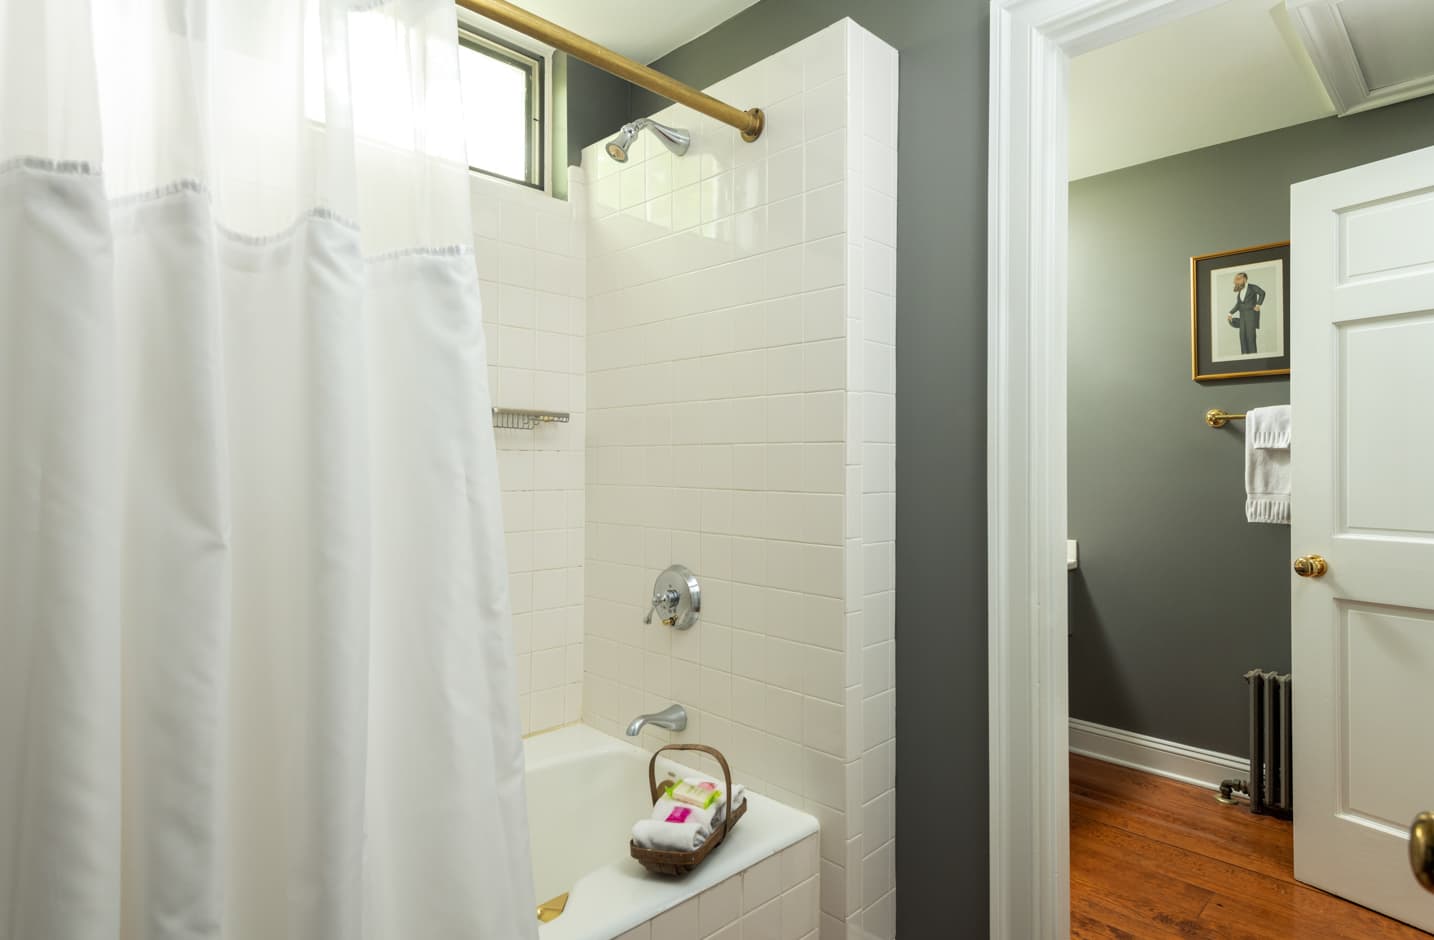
point(640, 29)
point(1229, 72)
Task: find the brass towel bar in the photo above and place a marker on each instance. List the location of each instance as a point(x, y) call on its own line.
point(529, 24)
point(1217, 418)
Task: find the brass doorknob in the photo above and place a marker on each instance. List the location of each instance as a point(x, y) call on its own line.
point(1311, 566)
point(1421, 849)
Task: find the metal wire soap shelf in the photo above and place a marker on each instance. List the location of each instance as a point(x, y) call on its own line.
point(525, 419)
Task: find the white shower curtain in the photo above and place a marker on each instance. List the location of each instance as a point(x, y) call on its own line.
point(256, 677)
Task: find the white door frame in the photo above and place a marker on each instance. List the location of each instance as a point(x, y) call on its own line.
point(1032, 42)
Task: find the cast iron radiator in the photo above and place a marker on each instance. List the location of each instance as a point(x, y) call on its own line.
point(1270, 786)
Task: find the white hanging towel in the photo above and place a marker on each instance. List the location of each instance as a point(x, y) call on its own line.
point(1267, 465)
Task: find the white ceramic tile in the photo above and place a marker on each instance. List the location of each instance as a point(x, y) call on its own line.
point(799, 862)
point(824, 160)
point(785, 222)
point(785, 122)
point(764, 922)
point(762, 882)
point(786, 173)
point(824, 727)
point(799, 910)
point(682, 922)
point(824, 263)
point(716, 201)
point(825, 211)
point(732, 931)
point(824, 56)
point(719, 906)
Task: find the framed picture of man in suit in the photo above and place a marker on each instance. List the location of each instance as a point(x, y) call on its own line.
point(1240, 313)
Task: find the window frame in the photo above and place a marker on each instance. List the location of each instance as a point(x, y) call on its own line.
point(535, 65)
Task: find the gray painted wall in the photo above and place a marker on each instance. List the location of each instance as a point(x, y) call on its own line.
point(595, 104)
point(1176, 595)
point(941, 431)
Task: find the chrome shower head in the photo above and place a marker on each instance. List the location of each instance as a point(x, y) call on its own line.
point(674, 139)
point(617, 147)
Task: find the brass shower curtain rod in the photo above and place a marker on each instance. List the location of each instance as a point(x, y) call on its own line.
point(514, 17)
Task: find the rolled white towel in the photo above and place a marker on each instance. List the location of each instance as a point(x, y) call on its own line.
point(666, 836)
point(668, 810)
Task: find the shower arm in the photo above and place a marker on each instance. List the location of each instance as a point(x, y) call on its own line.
point(749, 122)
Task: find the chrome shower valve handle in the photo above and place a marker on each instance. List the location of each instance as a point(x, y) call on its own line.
point(667, 600)
point(676, 598)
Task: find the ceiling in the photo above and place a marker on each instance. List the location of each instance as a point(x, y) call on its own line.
point(1393, 42)
point(1228, 72)
point(639, 29)
point(1370, 53)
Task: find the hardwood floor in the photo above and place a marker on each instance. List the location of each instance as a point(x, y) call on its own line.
point(1152, 858)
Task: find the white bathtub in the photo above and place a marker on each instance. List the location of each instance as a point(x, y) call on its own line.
point(585, 788)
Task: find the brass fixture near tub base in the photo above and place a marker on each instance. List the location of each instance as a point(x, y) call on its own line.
point(1218, 419)
point(551, 908)
point(530, 24)
point(1311, 566)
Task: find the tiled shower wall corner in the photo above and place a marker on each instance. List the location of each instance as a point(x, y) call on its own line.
point(741, 387)
point(871, 483)
point(530, 252)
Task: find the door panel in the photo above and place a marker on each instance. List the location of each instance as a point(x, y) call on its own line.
point(1387, 236)
point(1388, 657)
point(1381, 361)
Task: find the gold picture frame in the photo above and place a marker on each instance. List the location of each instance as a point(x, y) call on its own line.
point(1216, 353)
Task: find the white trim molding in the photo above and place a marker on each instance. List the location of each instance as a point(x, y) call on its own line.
point(1155, 755)
point(1031, 45)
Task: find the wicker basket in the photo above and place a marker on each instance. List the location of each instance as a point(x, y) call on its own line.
point(662, 862)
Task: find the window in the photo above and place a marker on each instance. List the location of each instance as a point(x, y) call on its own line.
point(502, 89)
point(503, 108)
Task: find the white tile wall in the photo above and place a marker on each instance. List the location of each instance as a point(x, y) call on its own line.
point(530, 251)
point(741, 381)
point(776, 899)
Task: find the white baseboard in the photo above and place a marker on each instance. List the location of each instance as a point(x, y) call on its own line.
point(1154, 755)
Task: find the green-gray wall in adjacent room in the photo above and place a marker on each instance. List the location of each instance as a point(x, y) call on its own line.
point(1176, 595)
point(941, 432)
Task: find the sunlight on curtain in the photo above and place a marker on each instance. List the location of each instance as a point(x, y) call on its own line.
point(256, 668)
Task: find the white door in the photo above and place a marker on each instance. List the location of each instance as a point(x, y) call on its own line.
point(1362, 390)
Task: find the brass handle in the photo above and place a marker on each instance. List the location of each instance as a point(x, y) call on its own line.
point(1311, 566)
point(1421, 849)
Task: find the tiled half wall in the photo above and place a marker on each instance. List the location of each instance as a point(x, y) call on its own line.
point(776, 899)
